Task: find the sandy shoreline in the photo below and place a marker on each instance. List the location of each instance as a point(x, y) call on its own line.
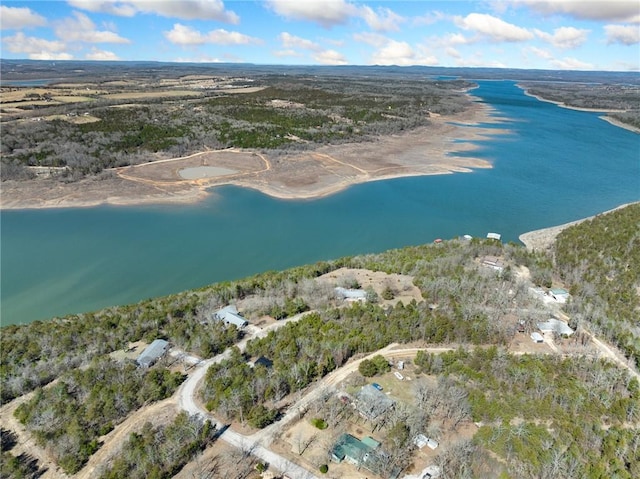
point(429, 150)
point(608, 119)
point(543, 239)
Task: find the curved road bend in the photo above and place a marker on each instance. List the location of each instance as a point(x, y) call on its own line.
point(253, 444)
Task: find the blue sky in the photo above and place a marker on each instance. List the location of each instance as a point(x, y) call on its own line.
point(541, 34)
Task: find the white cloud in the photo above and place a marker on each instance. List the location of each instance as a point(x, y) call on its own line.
point(36, 48)
point(603, 10)
point(571, 64)
point(428, 18)
point(330, 57)
point(455, 39)
point(113, 7)
point(292, 41)
point(185, 35)
point(384, 20)
point(17, 18)
point(101, 55)
point(493, 28)
point(287, 53)
point(401, 53)
point(322, 12)
point(565, 37)
point(374, 39)
point(82, 29)
point(184, 9)
point(625, 34)
point(452, 52)
point(540, 52)
point(201, 59)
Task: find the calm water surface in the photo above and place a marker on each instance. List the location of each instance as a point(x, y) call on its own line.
point(556, 165)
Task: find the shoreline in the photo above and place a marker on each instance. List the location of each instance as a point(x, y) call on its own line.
point(543, 239)
point(608, 119)
point(313, 174)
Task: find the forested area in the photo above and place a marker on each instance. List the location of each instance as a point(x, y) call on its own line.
point(291, 112)
point(84, 404)
point(624, 98)
point(35, 354)
point(159, 452)
point(528, 406)
point(22, 466)
point(599, 260)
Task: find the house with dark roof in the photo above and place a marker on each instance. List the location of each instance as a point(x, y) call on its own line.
point(363, 452)
point(152, 353)
point(230, 315)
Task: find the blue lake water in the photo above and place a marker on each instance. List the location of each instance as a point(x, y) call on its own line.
point(556, 165)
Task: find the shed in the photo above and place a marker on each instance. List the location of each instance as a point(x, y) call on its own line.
point(351, 294)
point(559, 294)
point(537, 338)
point(372, 403)
point(421, 440)
point(152, 353)
point(554, 325)
point(494, 236)
point(230, 315)
point(493, 262)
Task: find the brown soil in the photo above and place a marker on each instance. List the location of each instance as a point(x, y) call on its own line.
point(326, 170)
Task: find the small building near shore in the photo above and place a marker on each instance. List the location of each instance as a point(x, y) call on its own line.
point(152, 353)
point(351, 294)
point(559, 295)
point(230, 315)
point(494, 236)
point(493, 262)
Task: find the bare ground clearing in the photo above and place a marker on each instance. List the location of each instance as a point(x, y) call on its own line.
point(323, 171)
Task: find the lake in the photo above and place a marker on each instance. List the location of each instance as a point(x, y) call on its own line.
point(556, 165)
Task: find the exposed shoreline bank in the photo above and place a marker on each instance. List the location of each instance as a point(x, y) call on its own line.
point(543, 239)
point(317, 173)
point(608, 119)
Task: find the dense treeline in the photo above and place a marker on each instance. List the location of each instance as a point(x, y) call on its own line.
point(600, 260)
point(528, 407)
point(527, 404)
point(160, 452)
point(35, 354)
point(69, 416)
point(470, 306)
point(299, 112)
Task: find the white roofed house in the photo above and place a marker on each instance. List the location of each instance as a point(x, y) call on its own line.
point(230, 315)
point(152, 353)
point(554, 325)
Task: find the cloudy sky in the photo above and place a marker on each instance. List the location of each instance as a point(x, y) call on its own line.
point(542, 34)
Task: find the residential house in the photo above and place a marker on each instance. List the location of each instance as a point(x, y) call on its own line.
point(372, 403)
point(554, 325)
point(152, 353)
point(230, 315)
